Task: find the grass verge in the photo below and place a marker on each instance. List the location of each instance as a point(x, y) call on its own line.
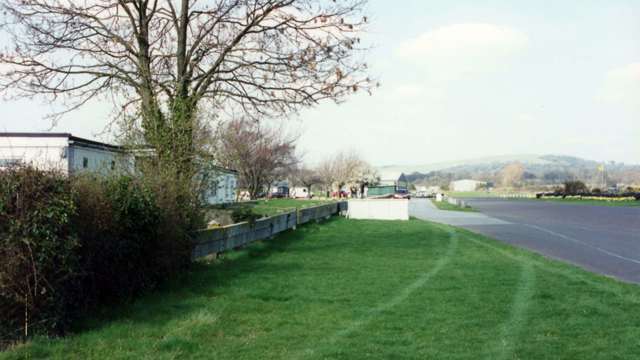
point(223, 214)
point(278, 206)
point(351, 289)
point(443, 205)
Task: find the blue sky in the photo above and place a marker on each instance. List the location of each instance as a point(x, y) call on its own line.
point(466, 79)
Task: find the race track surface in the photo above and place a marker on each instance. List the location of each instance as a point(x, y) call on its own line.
point(601, 239)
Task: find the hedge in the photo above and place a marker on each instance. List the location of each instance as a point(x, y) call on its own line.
point(591, 195)
point(70, 244)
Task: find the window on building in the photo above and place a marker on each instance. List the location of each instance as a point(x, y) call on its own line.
point(113, 165)
point(85, 162)
point(213, 189)
point(9, 162)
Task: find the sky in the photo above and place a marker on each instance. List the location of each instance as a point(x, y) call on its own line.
point(466, 79)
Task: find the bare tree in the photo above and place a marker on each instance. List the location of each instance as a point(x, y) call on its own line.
point(306, 177)
point(327, 172)
point(260, 154)
point(512, 174)
point(159, 61)
point(345, 168)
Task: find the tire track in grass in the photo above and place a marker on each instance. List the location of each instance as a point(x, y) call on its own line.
point(557, 271)
point(401, 296)
point(512, 328)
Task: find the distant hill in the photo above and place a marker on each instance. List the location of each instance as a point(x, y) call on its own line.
point(538, 170)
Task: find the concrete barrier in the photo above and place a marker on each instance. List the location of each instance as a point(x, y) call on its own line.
point(378, 209)
point(456, 202)
point(317, 212)
point(219, 240)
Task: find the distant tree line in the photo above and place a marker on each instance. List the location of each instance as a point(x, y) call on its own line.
point(519, 175)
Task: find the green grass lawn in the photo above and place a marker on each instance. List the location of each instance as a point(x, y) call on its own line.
point(277, 206)
point(351, 289)
point(222, 214)
point(631, 203)
point(443, 205)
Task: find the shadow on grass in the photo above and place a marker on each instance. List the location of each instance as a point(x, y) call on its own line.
point(204, 279)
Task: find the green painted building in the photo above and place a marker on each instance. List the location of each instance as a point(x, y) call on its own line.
point(381, 190)
point(390, 184)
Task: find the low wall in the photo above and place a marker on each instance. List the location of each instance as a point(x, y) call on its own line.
point(317, 212)
point(214, 241)
point(378, 209)
point(456, 202)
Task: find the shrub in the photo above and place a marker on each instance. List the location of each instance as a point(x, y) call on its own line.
point(68, 245)
point(117, 222)
point(38, 253)
point(575, 187)
point(179, 215)
point(135, 233)
point(244, 213)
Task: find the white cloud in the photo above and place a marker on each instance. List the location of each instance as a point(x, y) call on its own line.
point(454, 50)
point(417, 92)
point(457, 40)
point(409, 91)
point(622, 86)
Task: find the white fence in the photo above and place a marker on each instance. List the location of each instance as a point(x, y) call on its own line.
point(378, 209)
point(518, 196)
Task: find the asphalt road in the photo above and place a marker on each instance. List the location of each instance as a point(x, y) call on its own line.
point(604, 240)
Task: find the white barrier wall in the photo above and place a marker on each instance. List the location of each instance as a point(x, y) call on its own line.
point(379, 209)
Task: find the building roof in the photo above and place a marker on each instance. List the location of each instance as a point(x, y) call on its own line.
point(93, 144)
point(74, 139)
point(224, 169)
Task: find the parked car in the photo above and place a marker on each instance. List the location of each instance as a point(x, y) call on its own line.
point(278, 195)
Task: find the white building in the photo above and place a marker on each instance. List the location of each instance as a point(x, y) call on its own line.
point(465, 185)
point(394, 178)
point(279, 189)
point(299, 192)
point(70, 155)
point(222, 186)
point(62, 152)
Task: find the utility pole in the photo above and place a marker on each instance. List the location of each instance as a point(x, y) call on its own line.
point(601, 169)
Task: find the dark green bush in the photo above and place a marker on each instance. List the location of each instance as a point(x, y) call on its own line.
point(179, 215)
point(146, 237)
point(117, 222)
point(38, 253)
point(575, 187)
point(244, 213)
point(71, 244)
